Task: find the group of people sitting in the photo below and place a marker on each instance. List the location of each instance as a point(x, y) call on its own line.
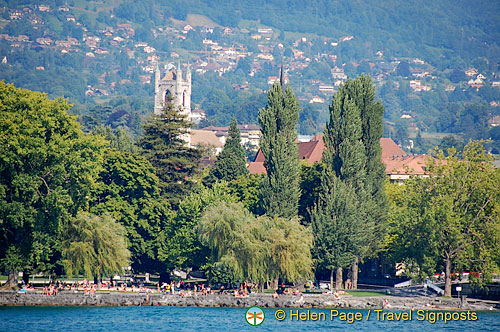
point(244, 291)
point(197, 290)
point(50, 290)
point(285, 291)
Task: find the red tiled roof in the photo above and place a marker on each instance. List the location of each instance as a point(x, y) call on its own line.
point(396, 161)
point(390, 148)
point(414, 165)
point(256, 167)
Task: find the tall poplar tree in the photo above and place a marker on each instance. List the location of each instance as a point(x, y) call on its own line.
point(338, 212)
point(163, 144)
point(375, 204)
point(280, 190)
point(231, 162)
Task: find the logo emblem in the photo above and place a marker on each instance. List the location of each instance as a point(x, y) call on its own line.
point(255, 316)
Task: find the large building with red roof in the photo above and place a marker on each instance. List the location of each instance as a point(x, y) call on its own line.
point(399, 165)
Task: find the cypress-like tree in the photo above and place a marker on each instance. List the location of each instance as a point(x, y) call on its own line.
point(231, 162)
point(362, 91)
point(163, 144)
point(344, 158)
point(352, 150)
point(280, 189)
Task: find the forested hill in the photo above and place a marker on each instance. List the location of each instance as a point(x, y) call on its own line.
point(436, 64)
point(451, 29)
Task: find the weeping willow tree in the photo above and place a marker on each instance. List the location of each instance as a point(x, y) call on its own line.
point(256, 249)
point(289, 248)
point(94, 246)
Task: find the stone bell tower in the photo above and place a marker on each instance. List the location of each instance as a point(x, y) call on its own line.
point(174, 84)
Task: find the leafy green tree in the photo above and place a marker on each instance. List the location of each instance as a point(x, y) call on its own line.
point(289, 245)
point(278, 121)
point(184, 248)
point(128, 190)
point(310, 188)
point(372, 195)
point(94, 246)
point(231, 162)
point(336, 223)
point(353, 154)
point(118, 139)
point(163, 144)
point(455, 212)
point(246, 190)
point(258, 249)
point(403, 69)
point(47, 173)
point(451, 141)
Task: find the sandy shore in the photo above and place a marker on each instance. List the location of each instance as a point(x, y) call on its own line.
point(70, 298)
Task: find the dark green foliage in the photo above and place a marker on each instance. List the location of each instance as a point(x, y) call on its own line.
point(403, 69)
point(128, 191)
point(336, 222)
point(451, 141)
point(363, 92)
point(310, 188)
point(231, 162)
point(118, 140)
point(164, 146)
point(246, 189)
point(344, 149)
point(184, 248)
point(47, 172)
point(352, 157)
point(280, 190)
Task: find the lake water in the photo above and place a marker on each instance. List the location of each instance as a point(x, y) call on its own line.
point(150, 319)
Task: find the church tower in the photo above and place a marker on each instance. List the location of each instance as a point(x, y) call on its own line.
point(174, 84)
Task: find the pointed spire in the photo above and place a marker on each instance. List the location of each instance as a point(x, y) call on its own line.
point(282, 80)
point(157, 68)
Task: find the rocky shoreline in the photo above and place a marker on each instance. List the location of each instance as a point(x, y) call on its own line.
point(70, 298)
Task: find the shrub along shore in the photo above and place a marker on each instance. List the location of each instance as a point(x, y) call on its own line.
point(70, 298)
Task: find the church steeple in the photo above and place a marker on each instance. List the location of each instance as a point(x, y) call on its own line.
point(188, 74)
point(157, 77)
point(179, 70)
point(282, 80)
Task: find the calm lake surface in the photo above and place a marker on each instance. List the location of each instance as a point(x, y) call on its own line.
point(150, 319)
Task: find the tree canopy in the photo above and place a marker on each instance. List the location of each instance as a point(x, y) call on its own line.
point(94, 246)
point(450, 219)
point(164, 144)
point(258, 249)
point(231, 161)
point(280, 190)
point(47, 173)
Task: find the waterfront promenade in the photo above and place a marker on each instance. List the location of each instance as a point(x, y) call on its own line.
point(72, 298)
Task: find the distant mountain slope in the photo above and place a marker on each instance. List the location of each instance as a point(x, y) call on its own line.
point(465, 28)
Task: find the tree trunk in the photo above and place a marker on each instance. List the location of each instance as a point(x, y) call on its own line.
point(338, 278)
point(447, 278)
point(26, 277)
point(331, 280)
point(275, 284)
point(355, 272)
point(13, 280)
